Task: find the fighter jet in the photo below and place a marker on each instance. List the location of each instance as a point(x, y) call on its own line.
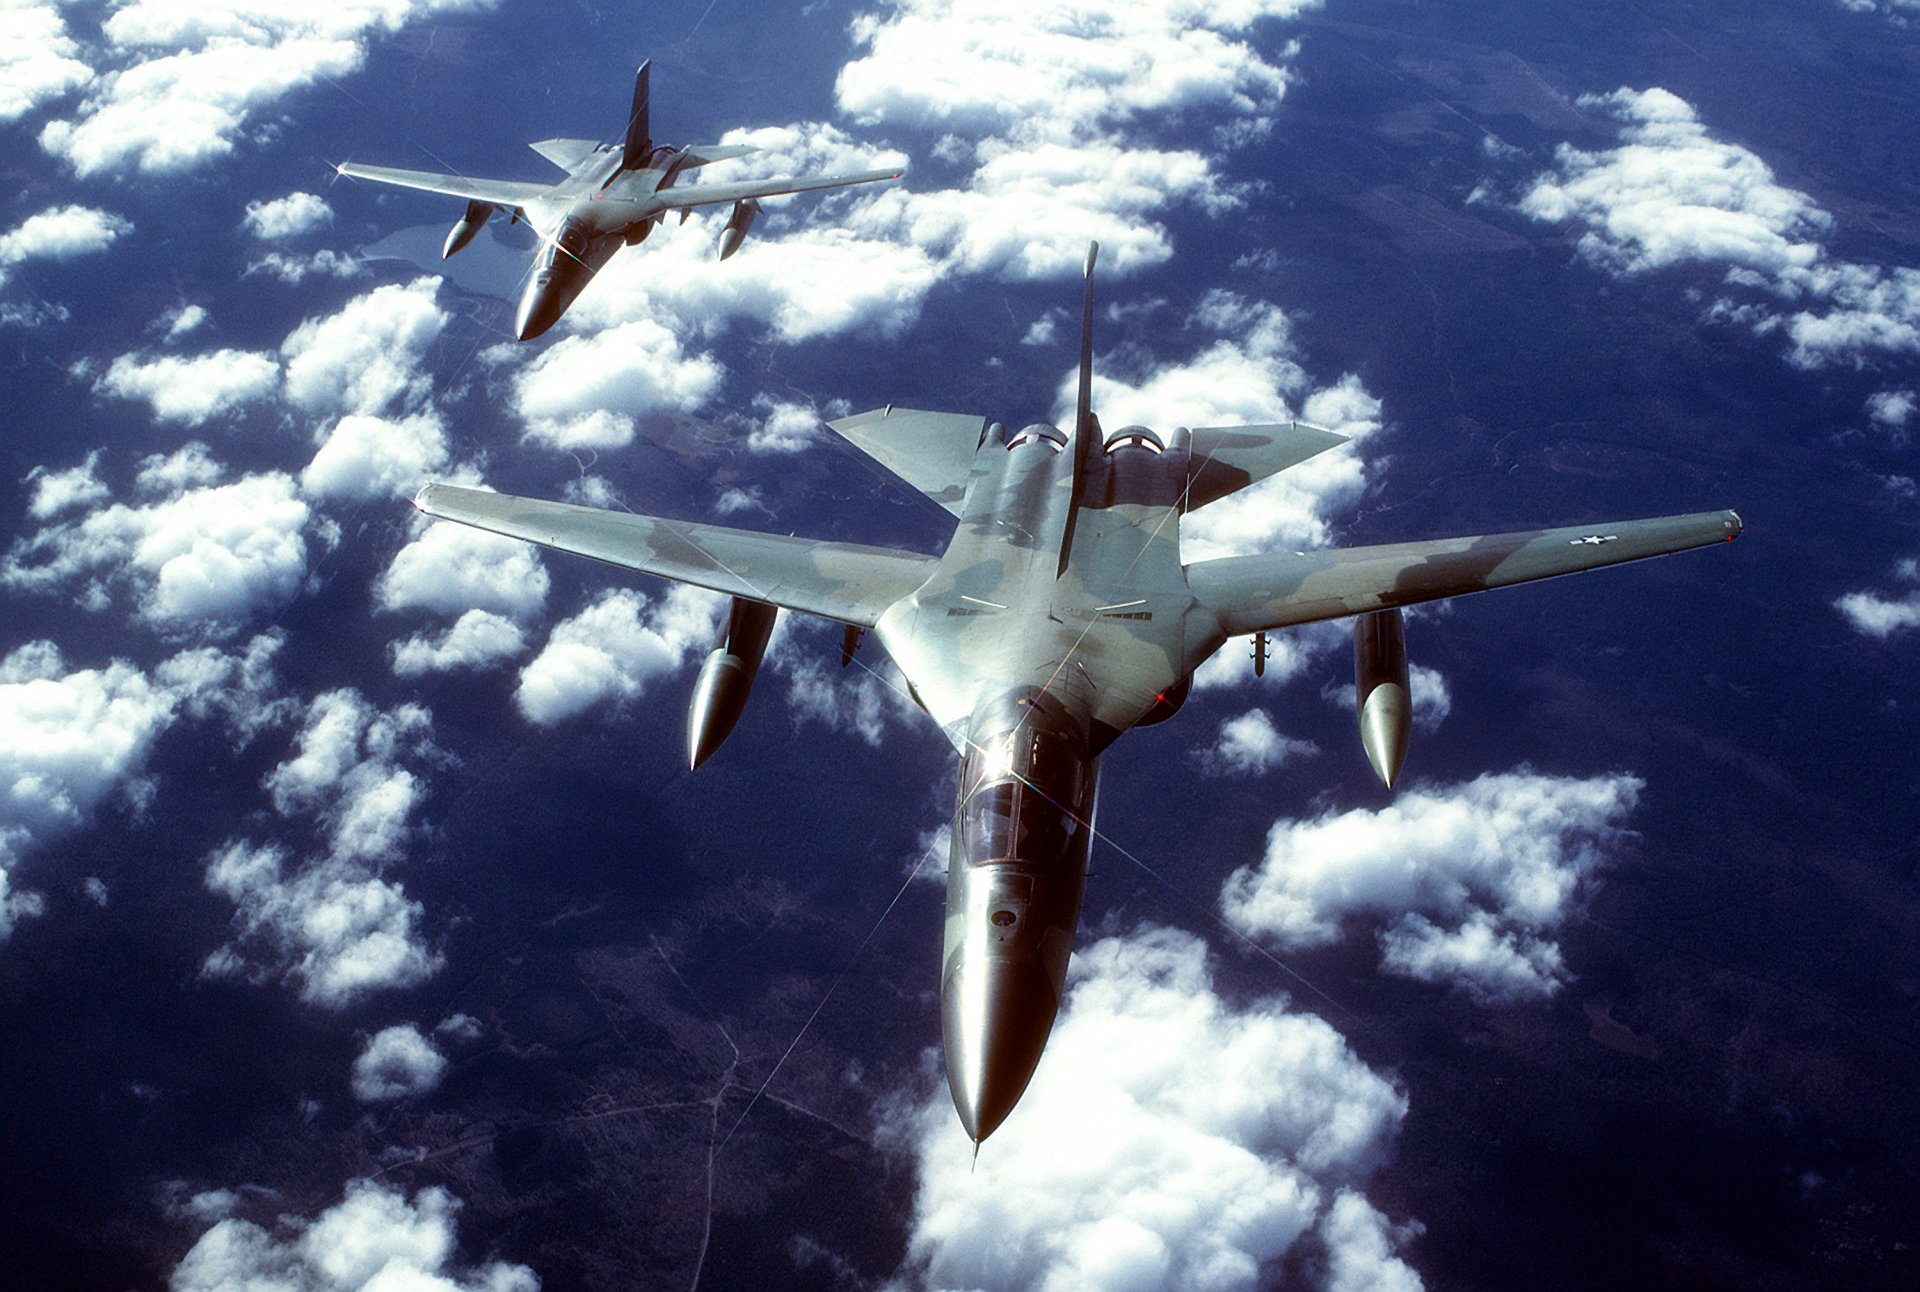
point(1060, 616)
point(613, 196)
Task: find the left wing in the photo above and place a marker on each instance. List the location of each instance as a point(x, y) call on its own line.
point(704, 154)
point(850, 582)
point(1254, 594)
point(705, 194)
point(933, 452)
point(502, 192)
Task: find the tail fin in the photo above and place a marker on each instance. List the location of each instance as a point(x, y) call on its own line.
point(639, 130)
point(1085, 426)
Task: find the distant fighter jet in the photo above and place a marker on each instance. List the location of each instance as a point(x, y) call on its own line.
point(1060, 616)
point(612, 196)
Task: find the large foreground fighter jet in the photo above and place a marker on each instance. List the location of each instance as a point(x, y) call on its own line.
point(1059, 616)
point(612, 197)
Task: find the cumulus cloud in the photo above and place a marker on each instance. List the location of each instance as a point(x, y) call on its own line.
point(240, 688)
point(1169, 1139)
point(585, 391)
point(1880, 615)
point(375, 1237)
point(189, 466)
point(476, 639)
point(362, 457)
point(860, 701)
point(1892, 409)
point(61, 234)
point(1671, 195)
point(37, 58)
point(784, 427)
point(450, 569)
point(336, 928)
point(192, 389)
point(1464, 885)
point(58, 491)
point(71, 737)
point(201, 562)
point(1064, 107)
point(180, 322)
point(366, 356)
point(397, 1063)
point(1250, 745)
point(185, 80)
point(613, 650)
point(348, 773)
point(284, 218)
point(68, 739)
point(294, 270)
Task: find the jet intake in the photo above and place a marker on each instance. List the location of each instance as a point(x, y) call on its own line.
point(478, 213)
point(720, 693)
point(744, 214)
point(1382, 697)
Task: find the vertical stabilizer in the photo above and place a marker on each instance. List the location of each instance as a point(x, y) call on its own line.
point(639, 140)
point(1086, 428)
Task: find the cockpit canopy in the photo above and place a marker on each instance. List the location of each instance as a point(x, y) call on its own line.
point(1026, 786)
point(573, 240)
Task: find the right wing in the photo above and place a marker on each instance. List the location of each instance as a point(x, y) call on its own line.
point(501, 192)
point(1223, 459)
point(1253, 594)
point(933, 452)
point(849, 582)
point(703, 194)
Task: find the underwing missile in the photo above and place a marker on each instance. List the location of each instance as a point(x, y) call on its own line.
point(738, 223)
point(720, 693)
point(1382, 696)
point(478, 213)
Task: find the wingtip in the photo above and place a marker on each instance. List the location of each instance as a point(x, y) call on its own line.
point(423, 499)
point(1735, 526)
point(1093, 254)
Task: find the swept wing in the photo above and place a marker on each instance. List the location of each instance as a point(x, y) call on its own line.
point(501, 192)
point(1258, 593)
point(849, 582)
point(704, 194)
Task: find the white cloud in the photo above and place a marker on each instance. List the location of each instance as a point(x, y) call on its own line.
point(1169, 1139)
point(450, 569)
point(37, 60)
point(189, 466)
point(1250, 745)
point(284, 218)
point(363, 457)
point(1892, 408)
point(294, 270)
point(202, 561)
point(367, 355)
point(188, 318)
point(584, 391)
point(784, 427)
point(477, 639)
point(348, 772)
point(58, 491)
point(1465, 884)
point(1062, 105)
point(67, 741)
point(613, 650)
point(1432, 697)
point(1882, 616)
point(335, 928)
point(192, 390)
point(239, 688)
point(189, 77)
point(398, 1063)
point(373, 1240)
point(61, 234)
point(1671, 194)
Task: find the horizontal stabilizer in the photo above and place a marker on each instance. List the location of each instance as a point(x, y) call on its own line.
point(933, 452)
point(501, 192)
point(1253, 594)
point(565, 153)
point(1225, 459)
point(850, 582)
point(706, 154)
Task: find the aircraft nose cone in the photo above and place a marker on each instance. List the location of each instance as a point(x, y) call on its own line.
point(996, 1015)
point(540, 308)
